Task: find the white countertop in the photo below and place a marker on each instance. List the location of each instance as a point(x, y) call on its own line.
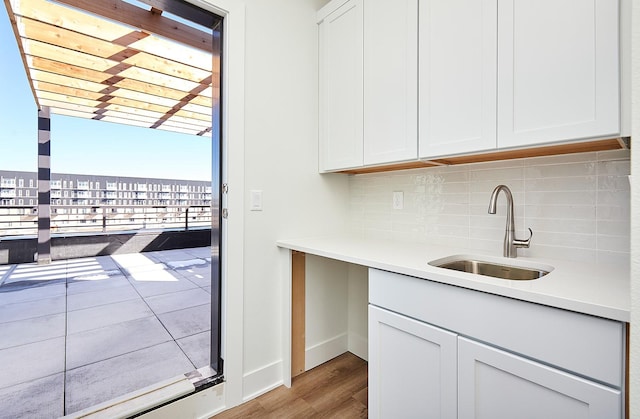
point(602, 291)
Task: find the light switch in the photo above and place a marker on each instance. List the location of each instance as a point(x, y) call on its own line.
point(398, 200)
point(256, 200)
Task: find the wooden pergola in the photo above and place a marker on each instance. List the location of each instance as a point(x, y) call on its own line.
point(145, 63)
point(116, 61)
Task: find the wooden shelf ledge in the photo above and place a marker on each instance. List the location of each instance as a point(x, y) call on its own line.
point(551, 150)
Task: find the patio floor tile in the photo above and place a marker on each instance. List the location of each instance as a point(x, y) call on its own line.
point(200, 252)
point(102, 262)
point(31, 309)
point(28, 362)
point(21, 332)
point(148, 288)
point(107, 342)
point(45, 400)
point(198, 274)
point(178, 300)
point(116, 323)
point(104, 296)
point(187, 322)
point(172, 255)
point(31, 274)
point(96, 283)
point(95, 317)
point(10, 294)
point(101, 381)
point(197, 347)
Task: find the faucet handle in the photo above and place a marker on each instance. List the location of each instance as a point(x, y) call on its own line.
point(523, 243)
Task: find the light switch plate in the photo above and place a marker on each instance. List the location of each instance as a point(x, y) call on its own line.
point(255, 200)
point(398, 200)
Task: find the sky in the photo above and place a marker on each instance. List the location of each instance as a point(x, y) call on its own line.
point(87, 146)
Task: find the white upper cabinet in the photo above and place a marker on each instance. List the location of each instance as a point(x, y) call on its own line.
point(457, 105)
point(341, 73)
point(516, 73)
point(390, 81)
point(558, 70)
point(408, 79)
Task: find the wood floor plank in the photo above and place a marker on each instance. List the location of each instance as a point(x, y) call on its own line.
point(335, 389)
point(251, 409)
point(363, 396)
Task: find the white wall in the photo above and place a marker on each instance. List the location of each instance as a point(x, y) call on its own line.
point(280, 143)
point(326, 309)
point(336, 319)
point(634, 378)
point(577, 205)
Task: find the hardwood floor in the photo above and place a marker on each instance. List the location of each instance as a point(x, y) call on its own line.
point(336, 389)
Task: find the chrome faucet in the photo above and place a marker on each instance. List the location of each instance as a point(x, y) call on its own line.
point(511, 244)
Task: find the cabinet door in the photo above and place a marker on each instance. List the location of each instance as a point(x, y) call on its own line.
point(496, 384)
point(457, 102)
point(559, 70)
point(341, 57)
point(390, 81)
point(412, 368)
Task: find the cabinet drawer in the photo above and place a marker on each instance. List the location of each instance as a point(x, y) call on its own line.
point(586, 345)
point(496, 384)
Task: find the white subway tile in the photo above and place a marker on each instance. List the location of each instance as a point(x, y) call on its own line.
point(613, 183)
point(561, 225)
point(487, 187)
point(496, 164)
point(561, 159)
point(511, 173)
point(614, 167)
point(561, 170)
point(583, 183)
point(575, 212)
point(614, 243)
point(619, 198)
point(614, 228)
point(614, 155)
point(614, 213)
point(613, 258)
point(565, 239)
point(561, 198)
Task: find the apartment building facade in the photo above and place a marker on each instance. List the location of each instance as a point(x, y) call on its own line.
point(86, 203)
point(68, 190)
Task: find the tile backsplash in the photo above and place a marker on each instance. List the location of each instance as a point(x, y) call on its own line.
point(577, 205)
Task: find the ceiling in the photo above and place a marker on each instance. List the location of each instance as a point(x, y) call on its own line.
point(116, 61)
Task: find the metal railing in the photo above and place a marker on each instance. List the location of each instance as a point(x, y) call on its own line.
point(23, 220)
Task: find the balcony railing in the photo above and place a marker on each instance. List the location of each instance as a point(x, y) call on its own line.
point(23, 220)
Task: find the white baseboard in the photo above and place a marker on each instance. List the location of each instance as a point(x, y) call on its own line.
point(325, 351)
point(359, 346)
point(260, 381)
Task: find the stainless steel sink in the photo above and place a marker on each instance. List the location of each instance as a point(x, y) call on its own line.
point(494, 269)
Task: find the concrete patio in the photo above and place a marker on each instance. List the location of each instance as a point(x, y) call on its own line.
point(79, 332)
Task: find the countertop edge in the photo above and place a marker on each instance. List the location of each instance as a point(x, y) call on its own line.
point(459, 279)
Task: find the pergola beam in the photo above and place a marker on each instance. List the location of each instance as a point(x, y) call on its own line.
point(16, 34)
point(145, 20)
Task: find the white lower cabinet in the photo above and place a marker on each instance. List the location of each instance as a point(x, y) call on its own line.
point(441, 351)
point(496, 384)
point(412, 368)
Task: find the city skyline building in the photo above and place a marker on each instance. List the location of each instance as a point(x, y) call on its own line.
point(20, 188)
point(83, 203)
